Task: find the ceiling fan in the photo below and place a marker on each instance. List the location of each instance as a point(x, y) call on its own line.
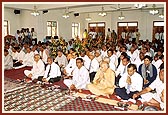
point(35, 12)
point(120, 8)
point(67, 12)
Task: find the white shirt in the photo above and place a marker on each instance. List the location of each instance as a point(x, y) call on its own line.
point(114, 60)
point(34, 35)
point(44, 55)
point(38, 68)
point(20, 55)
point(103, 53)
point(157, 63)
point(158, 85)
point(138, 62)
point(133, 56)
point(80, 77)
point(10, 51)
point(148, 53)
point(136, 82)
point(29, 58)
point(128, 46)
point(94, 65)
point(121, 68)
point(62, 60)
point(71, 66)
point(54, 72)
point(123, 34)
point(87, 61)
point(109, 34)
point(157, 35)
point(112, 66)
point(161, 36)
point(35, 52)
point(99, 59)
point(14, 55)
point(8, 62)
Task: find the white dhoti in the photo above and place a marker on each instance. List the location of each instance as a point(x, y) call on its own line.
point(27, 72)
point(148, 96)
point(68, 82)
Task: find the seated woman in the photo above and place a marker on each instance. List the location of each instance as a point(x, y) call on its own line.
point(103, 83)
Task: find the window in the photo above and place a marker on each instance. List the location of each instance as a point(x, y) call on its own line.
point(128, 24)
point(98, 27)
point(6, 31)
point(51, 28)
point(158, 23)
point(75, 30)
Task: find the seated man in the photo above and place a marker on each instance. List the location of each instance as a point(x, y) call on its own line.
point(27, 60)
point(130, 83)
point(71, 65)
point(94, 65)
point(157, 98)
point(52, 73)
point(37, 70)
point(80, 76)
point(8, 61)
point(148, 71)
point(122, 69)
point(20, 57)
point(103, 83)
point(61, 60)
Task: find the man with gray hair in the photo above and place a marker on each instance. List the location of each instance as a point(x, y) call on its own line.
point(98, 56)
point(94, 65)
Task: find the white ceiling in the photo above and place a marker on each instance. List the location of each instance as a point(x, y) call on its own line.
point(76, 6)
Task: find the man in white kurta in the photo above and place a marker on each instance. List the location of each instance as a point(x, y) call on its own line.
point(94, 66)
point(130, 83)
point(71, 65)
point(85, 59)
point(52, 73)
point(157, 98)
point(29, 58)
point(61, 60)
point(80, 76)
point(8, 61)
point(37, 70)
point(44, 53)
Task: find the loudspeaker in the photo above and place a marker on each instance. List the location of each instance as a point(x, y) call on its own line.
point(55, 37)
point(48, 37)
point(17, 11)
point(45, 11)
point(76, 14)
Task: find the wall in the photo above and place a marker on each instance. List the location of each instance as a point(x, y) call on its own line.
point(145, 22)
point(13, 19)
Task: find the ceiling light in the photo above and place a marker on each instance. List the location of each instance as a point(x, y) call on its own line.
point(102, 13)
point(121, 16)
point(154, 11)
point(88, 18)
point(35, 12)
point(140, 5)
point(161, 15)
point(65, 15)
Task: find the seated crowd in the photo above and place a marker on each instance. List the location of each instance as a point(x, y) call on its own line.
point(128, 69)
